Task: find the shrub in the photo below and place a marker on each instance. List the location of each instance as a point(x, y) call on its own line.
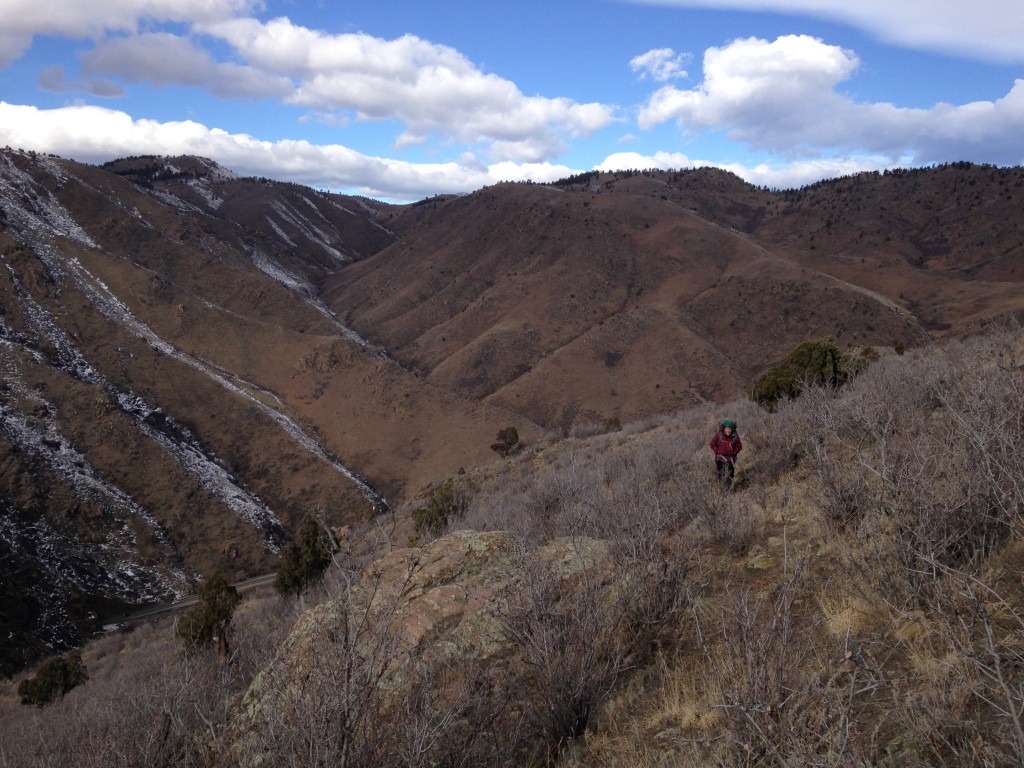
point(304, 561)
point(508, 439)
point(812, 362)
point(444, 503)
point(209, 619)
point(54, 678)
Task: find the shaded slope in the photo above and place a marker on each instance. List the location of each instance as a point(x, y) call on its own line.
point(209, 401)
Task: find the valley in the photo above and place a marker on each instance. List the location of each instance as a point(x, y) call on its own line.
point(193, 360)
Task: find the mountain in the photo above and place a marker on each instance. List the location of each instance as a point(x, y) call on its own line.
point(176, 398)
point(193, 361)
point(626, 295)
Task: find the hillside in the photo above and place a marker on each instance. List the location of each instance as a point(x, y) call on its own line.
point(854, 601)
point(176, 397)
point(194, 361)
point(631, 295)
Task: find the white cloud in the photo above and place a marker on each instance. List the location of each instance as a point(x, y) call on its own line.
point(166, 59)
point(990, 30)
point(53, 79)
point(790, 175)
point(538, 172)
point(432, 89)
point(800, 174)
point(661, 64)
point(755, 87)
point(634, 161)
point(22, 20)
point(781, 96)
point(97, 134)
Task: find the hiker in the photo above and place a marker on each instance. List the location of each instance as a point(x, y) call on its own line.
point(726, 444)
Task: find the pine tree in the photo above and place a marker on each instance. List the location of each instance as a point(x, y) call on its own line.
point(304, 561)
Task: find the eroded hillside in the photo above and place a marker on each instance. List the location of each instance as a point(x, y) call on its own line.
point(176, 397)
point(193, 361)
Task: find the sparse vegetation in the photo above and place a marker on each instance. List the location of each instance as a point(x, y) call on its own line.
point(443, 503)
point(208, 621)
point(855, 601)
point(508, 439)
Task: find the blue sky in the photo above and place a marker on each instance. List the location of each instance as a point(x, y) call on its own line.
point(403, 100)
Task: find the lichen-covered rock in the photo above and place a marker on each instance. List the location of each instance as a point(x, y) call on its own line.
point(443, 606)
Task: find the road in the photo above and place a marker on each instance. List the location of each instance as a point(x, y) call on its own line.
point(154, 611)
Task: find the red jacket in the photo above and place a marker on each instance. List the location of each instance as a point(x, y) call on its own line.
point(726, 448)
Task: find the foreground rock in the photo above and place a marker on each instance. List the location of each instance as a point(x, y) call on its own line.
point(458, 647)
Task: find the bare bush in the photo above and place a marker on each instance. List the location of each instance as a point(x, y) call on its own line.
point(785, 702)
point(977, 639)
point(167, 709)
point(577, 636)
point(146, 702)
point(321, 702)
point(773, 443)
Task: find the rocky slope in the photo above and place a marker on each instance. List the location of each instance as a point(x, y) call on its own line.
point(176, 397)
point(193, 361)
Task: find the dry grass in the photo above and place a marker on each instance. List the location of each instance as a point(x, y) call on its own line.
point(855, 600)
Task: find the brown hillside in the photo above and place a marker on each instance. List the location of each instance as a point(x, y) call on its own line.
point(176, 399)
point(609, 300)
point(945, 243)
point(193, 361)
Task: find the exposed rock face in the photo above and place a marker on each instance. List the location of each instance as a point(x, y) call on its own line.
point(415, 617)
point(445, 599)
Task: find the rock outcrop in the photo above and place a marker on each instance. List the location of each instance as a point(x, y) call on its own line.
point(437, 630)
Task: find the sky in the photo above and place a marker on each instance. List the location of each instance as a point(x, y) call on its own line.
point(400, 100)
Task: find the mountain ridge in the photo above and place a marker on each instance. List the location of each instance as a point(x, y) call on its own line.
point(225, 355)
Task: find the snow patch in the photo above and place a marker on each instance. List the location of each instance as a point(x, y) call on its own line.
point(280, 232)
point(120, 577)
point(309, 230)
point(34, 211)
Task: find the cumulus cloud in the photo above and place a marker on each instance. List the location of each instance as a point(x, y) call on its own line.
point(661, 64)
point(436, 93)
point(22, 20)
point(782, 96)
point(167, 59)
point(806, 172)
point(626, 161)
point(985, 29)
point(438, 96)
point(54, 80)
point(97, 134)
point(432, 89)
point(536, 172)
point(787, 176)
point(757, 87)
